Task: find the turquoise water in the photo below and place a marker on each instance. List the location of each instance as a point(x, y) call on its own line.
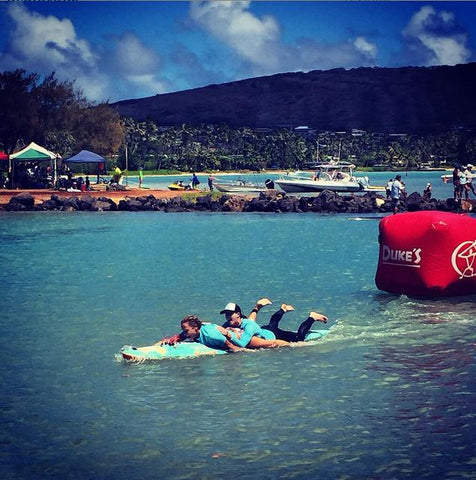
point(389, 393)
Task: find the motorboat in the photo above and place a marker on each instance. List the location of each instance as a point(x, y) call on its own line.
point(242, 186)
point(177, 186)
point(334, 176)
point(447, 178)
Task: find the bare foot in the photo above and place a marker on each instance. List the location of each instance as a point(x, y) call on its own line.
point(318, 317)
point(286, 308)
point(263, 302)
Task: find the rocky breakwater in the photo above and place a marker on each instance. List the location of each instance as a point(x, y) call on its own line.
point(270, 201)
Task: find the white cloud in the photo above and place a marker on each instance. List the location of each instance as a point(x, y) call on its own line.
point(51, 44)
point(436, 37)
point(252, 38)
point(258, 42)
point(135, 63)
point(367, 48)
point(131, 55)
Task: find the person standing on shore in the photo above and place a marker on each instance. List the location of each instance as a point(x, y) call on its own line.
point(457, 192)
point(141, 177)
point(195, 182)
point(427, 192)
point(388, 188)
point(398, 191)
point(468, 172)
point(210, 183)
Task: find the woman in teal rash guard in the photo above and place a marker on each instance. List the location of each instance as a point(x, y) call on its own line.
point(206, 333)
point(213, 333)
point(214, 336)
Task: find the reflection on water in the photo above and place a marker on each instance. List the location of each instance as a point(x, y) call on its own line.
point(389, 393)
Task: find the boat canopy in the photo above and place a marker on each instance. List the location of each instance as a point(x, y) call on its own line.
point(334, 166)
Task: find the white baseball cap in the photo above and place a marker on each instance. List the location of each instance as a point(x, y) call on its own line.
point(231, 307)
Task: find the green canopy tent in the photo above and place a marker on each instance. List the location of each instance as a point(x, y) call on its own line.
point(34, 153)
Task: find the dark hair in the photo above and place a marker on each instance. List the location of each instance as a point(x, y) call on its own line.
point(192, 320)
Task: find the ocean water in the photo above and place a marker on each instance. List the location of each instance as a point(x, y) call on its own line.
point(388, 394)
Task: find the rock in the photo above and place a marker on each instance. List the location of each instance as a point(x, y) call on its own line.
point(303, 204)
point(86, 202)
point(287, 204)
point(178, 204)
point(130, 205)
point(22, 201)
point(72, 203)
point(271, 195)
point(234, 204)
point(204, 203)
point(268, 201)
point(51, 205)
point(14, 206)
point(113, 205)
point(259, 205)
point(414, 202)
point(328, 201)
point(100, 206)
point(59, 200)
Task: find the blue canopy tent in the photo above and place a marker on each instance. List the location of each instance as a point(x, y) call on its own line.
point(85, 156)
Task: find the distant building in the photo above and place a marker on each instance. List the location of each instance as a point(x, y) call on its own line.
point(305, 130)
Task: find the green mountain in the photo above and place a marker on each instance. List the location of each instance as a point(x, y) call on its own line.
point(409, 99)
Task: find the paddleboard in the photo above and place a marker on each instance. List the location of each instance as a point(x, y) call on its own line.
point(185, 350)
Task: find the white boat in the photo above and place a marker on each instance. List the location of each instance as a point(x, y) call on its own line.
point(447, 178)
point(334, 176)
point(242, 186)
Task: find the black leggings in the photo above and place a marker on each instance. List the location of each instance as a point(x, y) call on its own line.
point(299, 336)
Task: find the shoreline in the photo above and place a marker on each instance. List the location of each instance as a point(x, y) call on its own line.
point(272, 201)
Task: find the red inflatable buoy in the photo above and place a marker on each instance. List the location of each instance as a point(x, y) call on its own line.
point(427, 254)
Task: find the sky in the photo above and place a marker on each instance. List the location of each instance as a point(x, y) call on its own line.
point(118, 50)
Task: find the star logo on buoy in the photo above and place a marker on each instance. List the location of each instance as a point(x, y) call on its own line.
point(463, 259)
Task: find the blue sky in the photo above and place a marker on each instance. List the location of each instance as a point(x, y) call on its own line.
point(120, 50)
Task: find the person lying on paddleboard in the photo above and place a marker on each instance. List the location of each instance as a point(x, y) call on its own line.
point(180, 337)
point(215, 336)
point(245, 332)
point(252, 333)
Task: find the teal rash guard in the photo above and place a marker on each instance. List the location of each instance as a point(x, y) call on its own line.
point(251, 329)
point(211, 337)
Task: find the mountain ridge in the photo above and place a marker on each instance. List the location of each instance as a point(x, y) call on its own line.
point(405, 99)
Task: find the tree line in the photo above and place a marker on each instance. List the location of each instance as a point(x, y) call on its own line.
point(56, 115)
point(219, 147)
